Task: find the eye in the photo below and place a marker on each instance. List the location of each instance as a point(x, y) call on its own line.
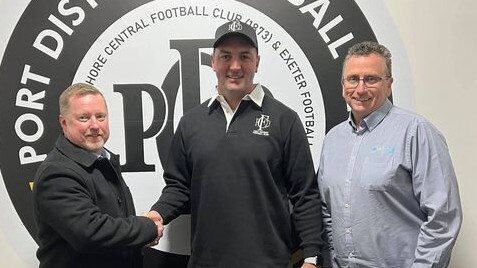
point(224, 57)
point(246, 56)
point(352, 79)
point(83, 118)
point(101, 117)
point(371, 79)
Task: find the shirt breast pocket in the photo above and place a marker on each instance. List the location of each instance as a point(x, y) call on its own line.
point(377, 173)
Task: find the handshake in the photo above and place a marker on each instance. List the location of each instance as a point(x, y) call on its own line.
point(157, 219)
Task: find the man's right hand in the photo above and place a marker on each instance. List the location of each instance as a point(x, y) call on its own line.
point(157, 219)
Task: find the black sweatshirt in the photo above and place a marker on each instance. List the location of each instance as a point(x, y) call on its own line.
point(239, 184)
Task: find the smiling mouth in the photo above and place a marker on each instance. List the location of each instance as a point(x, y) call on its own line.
point(362, 99)
point(234, 77)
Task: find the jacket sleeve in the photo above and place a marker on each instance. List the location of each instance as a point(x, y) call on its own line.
point(435, 186)
point(65, 205)
point(176, 194)
point(303, 190)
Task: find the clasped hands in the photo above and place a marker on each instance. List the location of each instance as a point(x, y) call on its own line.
point(157, 219)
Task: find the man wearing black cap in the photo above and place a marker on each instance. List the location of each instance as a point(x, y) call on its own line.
point(239, 160)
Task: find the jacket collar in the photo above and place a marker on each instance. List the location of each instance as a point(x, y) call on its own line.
point(78, 154)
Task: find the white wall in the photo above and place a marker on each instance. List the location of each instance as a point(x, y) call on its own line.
point(440, 39)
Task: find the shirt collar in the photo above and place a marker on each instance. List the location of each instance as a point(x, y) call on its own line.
point(78, 154)
point(372, 121)
point(104, 154)
point(256, 96)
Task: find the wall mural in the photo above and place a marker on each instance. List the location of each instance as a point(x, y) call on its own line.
point(151, 59)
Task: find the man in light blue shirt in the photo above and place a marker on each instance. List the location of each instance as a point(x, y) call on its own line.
point(388, 187)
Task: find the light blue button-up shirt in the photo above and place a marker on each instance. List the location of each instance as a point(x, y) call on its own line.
point(389, 192)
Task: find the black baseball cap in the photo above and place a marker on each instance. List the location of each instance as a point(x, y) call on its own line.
point(235, 28)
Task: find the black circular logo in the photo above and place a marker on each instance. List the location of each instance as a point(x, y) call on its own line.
point(152, 59)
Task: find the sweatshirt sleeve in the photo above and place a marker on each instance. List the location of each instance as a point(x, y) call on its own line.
point(303, 190)
point(176, 194)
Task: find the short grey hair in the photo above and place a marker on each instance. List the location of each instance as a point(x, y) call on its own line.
point(370, 47)
point(78, 89)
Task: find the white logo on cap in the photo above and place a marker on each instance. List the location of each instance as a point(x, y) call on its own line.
point(235, 26)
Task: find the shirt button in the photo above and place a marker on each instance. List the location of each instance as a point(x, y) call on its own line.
point(346, 205)
point(348, 230)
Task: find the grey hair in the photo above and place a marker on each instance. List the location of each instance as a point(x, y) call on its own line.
point(370, 47)
point(78, 89)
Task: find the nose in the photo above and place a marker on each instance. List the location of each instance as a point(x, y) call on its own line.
point(235, 64)
point(94, 123)
point(361, 87)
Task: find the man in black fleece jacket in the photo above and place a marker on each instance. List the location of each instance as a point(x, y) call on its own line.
point(82, 206)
